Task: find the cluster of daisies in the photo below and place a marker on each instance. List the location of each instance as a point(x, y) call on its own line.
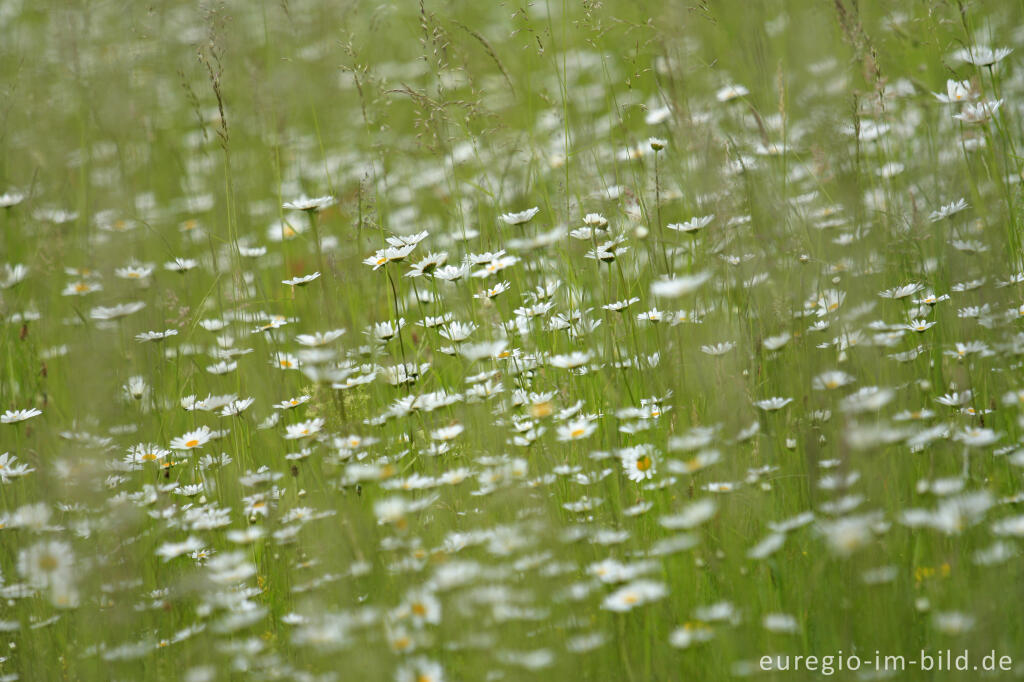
point(537, 414)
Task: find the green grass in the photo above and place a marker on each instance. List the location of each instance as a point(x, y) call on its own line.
point(163, 131)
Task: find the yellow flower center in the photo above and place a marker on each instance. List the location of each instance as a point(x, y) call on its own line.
point(148, 457)
point(192, 443)
point(539, 410)
point(644, 463)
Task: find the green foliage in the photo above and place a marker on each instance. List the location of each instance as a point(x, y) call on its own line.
point(661, 448)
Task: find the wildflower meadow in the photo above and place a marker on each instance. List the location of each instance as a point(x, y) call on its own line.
point(551, 340)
